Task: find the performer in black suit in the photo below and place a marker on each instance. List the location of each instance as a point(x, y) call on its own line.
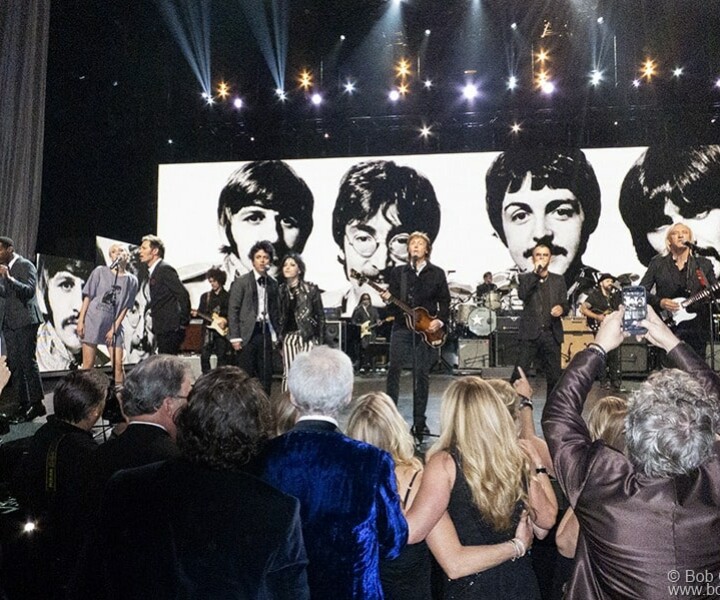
point(22, 317)
point(678, 273)
point(214, 305)
point(169, 300)
point(418, 284)
point(254, 315)
point(540, 332)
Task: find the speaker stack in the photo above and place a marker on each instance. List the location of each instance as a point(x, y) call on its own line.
point(506, 343)
point(335, 334)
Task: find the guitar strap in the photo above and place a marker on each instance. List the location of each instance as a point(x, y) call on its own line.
point(403, 285)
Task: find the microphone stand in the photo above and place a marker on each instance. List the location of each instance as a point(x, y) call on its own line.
point(112, 408)
point(266, 332)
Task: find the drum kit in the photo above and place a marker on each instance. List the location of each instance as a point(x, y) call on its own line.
point(476, 316)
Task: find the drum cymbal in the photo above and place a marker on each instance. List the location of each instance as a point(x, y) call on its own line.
point(459, 289)
point(627, 278)
point(505, 280)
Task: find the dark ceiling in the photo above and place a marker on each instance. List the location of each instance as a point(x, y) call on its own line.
point(119, 89)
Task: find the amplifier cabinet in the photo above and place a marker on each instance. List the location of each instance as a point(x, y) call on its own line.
point(508, 322)
point(473, 354)
point(506, 348)
point(574, 343)
point(335, 334)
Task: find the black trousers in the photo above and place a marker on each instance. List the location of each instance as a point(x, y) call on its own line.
point(216, 344)
point(255, 356)
point(545, 351)
point(169, 342)
point(21, 345)
point(401, 355)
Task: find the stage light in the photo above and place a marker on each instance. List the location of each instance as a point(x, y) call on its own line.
point(316, 99)
point(717, 83)
point(403, 68)
point(543, 55)
point(677, 71)
point(209, 101)
point(170, 142)
point(403, 88)
point(513, 26)
point(223, 90)
point(425, 131)
point(548, 87)
point(512, 82)
point(394, 95)
point(428, 84)
point(427, 32)
point(600, 20)
point(305, 80)
point(349, 87)
point(648, 69)
point(636, 83)
point(29, 527)
point(281, 94)
point(238, 103)
point(595, 77)
point(470, 91)
point(252, 138)
point(205, 95)
point(326, 136)
point(515, 128)
point(342, 38)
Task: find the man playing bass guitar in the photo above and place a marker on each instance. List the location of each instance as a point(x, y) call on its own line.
point(602, 300)
point(421, 285)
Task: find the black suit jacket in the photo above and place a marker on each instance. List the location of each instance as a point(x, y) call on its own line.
point(528, 292)
point(180, 530)
point(169, 300)
point(21, 308)
point(243, 306)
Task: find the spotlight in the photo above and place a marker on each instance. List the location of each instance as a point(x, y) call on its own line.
point(394, 95)
point(717, 83)
point(648, 69)
point(428, 83)
point(425, 131)
point(326, 136)
point(470, 91)
point(238, 103)
point(427, 32)
point(600, 20)
point(29, 527)
point(543, 55)
point(512, 82)
point(677, 71)
point(281, 94)
point(209, 101)
point(349, 87)
point(515, 128)
point(403, 68)
point(403, 88)
point(223, 90)
point(548, 87)
point(342, 38)
point(305, 79)
point(636, 83)
point(170, 141)
point(205, 95)
point(596, 77)
point(252, 138)
point(316, 99)
point(513, 26)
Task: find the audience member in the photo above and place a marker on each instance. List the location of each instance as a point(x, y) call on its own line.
point(51, 484)
point(496, 493)
point(652, 513)
point(349, 503)
point(375, 419)
point(200, 526)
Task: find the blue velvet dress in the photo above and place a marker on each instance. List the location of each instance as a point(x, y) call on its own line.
point(349, 506)
point(511, 580)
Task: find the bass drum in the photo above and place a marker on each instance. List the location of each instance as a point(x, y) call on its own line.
point(482, 321)
point(492, 300)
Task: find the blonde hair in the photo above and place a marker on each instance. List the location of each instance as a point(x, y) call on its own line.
point(285, 414)
point(375, 419)
point(507, 394)
point(670, 231)
point(606, 421)
point(476, 423)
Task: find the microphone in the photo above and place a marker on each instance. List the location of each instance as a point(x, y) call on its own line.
point(115, 263)
point(538, 268)
point(413, 260)
point(691, 246)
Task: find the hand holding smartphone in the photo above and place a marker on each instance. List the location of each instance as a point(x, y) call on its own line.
point(634, 298)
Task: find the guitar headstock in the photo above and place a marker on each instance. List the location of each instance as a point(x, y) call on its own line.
point(359, 276)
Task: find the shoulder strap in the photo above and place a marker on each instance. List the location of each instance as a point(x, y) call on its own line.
point(409, 487)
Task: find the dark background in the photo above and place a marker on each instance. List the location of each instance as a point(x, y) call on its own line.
point(119, 88)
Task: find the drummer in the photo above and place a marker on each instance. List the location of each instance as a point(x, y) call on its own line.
point(486, 286)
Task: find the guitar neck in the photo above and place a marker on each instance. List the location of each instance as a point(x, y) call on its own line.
point(396, 301)
point(701, 295)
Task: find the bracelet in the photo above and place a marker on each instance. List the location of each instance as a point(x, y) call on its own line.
point(525, 401)
point(541, 469)
point(516, 549)
point(519, 542)
point(597, 349)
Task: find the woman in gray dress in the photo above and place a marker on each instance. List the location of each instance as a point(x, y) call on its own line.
point(107, 296)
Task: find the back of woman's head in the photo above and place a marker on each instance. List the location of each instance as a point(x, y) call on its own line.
point(375, 419)
point(606, 421)
point(506, 393)
point(476, 424)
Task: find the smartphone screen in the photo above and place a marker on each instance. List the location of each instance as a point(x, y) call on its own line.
point(635, 302)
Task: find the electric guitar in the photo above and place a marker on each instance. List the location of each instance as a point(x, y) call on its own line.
point(418, 319)
point(675, 317)
point(367, 327)
point(215, 322)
